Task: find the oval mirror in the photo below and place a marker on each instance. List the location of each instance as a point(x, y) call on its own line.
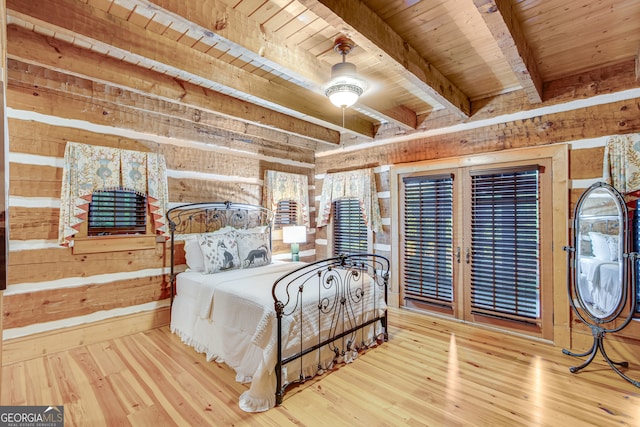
point(600, 244)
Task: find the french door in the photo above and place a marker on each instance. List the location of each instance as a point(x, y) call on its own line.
point(475, 244)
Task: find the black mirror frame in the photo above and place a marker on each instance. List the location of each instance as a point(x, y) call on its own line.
point(616, 320)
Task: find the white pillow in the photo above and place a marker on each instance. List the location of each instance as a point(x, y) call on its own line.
point(220, 251)
point(613, 241)
point(599, 246)
point(253, 247)
point(193, 254)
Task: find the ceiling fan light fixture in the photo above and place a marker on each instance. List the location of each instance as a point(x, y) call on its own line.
point(345, 86)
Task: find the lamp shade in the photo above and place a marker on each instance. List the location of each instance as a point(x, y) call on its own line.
point(343, 96)
point(345, 87)
point(294, 234)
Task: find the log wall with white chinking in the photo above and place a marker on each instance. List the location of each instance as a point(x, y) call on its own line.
point(3, 170)
point(583, 128)
point(57, 300)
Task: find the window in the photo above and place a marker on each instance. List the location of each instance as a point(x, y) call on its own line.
point(472, 241)
point(117, 212)
point(505, 241)
point(428, 239)
point(286, 213)
point(350, 234)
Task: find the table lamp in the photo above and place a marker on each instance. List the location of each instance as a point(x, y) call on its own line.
point(295, 235)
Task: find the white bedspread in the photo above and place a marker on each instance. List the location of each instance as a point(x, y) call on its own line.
point(600, 285)
point(259, 277)
point(232, 319)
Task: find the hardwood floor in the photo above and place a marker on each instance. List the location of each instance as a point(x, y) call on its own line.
point(431, 372)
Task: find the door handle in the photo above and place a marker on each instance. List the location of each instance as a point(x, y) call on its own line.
point(468, 255)
point(458, 254)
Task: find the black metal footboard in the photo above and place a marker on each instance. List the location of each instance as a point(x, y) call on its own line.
point(327, 311)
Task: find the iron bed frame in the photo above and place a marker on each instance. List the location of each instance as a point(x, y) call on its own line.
point(341, 284)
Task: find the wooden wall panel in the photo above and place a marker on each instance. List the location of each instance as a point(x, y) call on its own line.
point(43, 139)
point(4, 237)
point(34, 180)
point(33, 223)
point(212, 161)
point(63, 264)
point(38, 344)
point(60, 55)
point(574, 195)
point(56, 255)
point(115, 115)
point(191, 191)
point(620, 117)
point(55, 304)
point(586, 163)
point(204, 163)
point(385, 207)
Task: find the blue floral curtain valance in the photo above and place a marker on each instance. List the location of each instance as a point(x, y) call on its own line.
point(279, 186)
point(357, 184)
point(88, 168)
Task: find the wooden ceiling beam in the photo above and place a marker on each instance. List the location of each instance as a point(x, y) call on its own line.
point(368, 30)
point(215, 21)
point(93, 26)
point(608, 80)
point(32, 48)
point(505, 28)
point(400, 116)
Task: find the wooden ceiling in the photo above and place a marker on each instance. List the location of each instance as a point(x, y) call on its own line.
point(265, 62)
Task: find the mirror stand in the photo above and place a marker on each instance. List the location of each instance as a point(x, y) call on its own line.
point(601, 272)
point(598, 345)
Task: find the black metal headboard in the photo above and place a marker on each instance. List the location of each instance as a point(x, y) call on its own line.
point(211, 216)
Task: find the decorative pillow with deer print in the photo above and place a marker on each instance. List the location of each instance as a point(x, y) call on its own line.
point(220, 251)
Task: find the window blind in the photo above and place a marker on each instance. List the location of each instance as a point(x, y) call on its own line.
point(117, 212)
point(505, 244)
point(349, 230)
point(286, 213)
point(428, 239)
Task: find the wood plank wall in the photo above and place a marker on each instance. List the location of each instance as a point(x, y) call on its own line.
point(3, 170)
point(53, 293)
point(584, 129)
point(50, 290)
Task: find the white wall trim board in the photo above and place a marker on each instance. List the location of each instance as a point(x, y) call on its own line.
point(583, 183)
point(34, 244)
point(589, 143)
point(34, 202)
point(36, 160)
point(382, 247)
point(172, 173)
point(74, 282)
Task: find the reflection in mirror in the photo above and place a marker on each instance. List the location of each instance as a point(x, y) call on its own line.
point(600, 249)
